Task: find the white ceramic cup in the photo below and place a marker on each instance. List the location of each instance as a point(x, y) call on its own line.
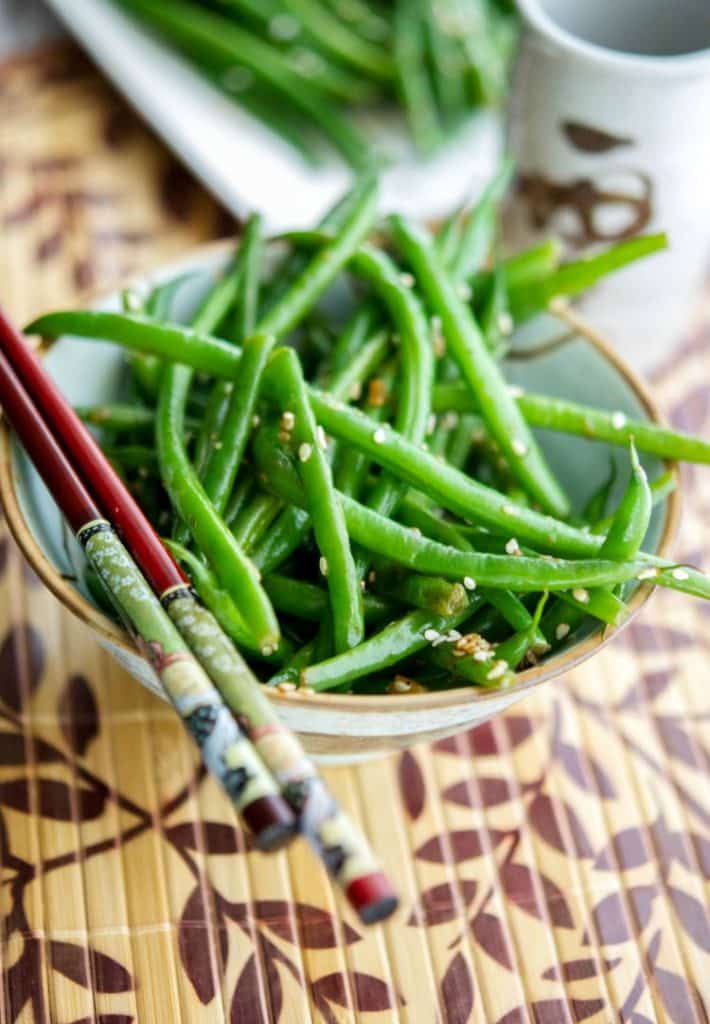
point(610, 127)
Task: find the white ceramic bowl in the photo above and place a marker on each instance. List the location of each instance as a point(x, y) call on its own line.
point(333, 726)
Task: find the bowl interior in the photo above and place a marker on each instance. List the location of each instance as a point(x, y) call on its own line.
point(576, 368)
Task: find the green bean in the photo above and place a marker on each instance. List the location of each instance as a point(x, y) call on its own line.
point(316, 649)
point(630, 523)
point(595, 508)
point(352, 466)
point(221, 605)
point(496, 321)
point(235, 571)
point(226, 455)
point(414, 512)
point(193, 28)
point(430, 593)
point(538, 261)
point(238, 499)
point(479, 231)
point(446, 61)
point(573, 278)
point(356, 332)
point(593, 424)
point(361, 366)
point(334, 37)
point(398, 640)
point(131, 456)
point(254, 520)
point(287, 534)
point(308, 601)
point(468, 348)
point(119, 418)
point(399, 544)
point(412, 79)
point(329, 527)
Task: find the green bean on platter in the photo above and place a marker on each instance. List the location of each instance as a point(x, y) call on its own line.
point(347, 477)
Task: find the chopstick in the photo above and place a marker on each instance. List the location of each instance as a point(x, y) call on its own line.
point(334, 837)
point(225, 748)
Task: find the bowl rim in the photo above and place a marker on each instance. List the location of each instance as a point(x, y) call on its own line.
point(110, 632)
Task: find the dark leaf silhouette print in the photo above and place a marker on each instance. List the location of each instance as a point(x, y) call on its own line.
point(517, 1015)
point(78, 713)
point(490, 935)
point(317, 931)
point(106, 1018)
point(549, 816)
point(276, 916)
point(411, 785)
point(519, 883)
point(54, 799)
point(484, 741)
point(370, 994)
point(463, 844)
point(693, 915)
point(247, 1006)
point(579, 970)
point(21, 665)
point(211, 836)
point(457, 991)
point(629, 848)
point(650, 638)
point(611, 917)
point(588, 139)
point(679, 745)
point(647, 690)
point(585, 771)
point(442, 903)
point(20, 979)
point(17, 748)
point(194, 946)
point(554, 1011)
point(485, 791)
point(269, 956)
point(682, 1003)
point(89, 968)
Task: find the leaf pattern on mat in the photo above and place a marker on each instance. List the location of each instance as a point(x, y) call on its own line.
point(78, 713)
point(411, 785)
point(493, 841)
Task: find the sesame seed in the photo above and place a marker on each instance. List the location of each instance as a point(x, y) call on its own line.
point(498, 670)
point(255, 420)
point(268, 649)
point(680, 574)
point(482, 655)
point(512, 547)
point(320, 435)
point(453, 636)
point(647, 574)
point(430, 635)
point(304, 451)
point(237, 79)
point(284, 436)
point(363, 585)
point(436, 323)
point(286, 687)
point(519, 447)
point(323, 566)
point(562, 630)
point(505, 323)
point(581, 595)
point(464, 292)
point(469, 583)
point(288, 420)
point(356, 391)
point(618, 421)
point(514, 391)
point(371, 576)
point(379, 436)
point(306, 689)
point(431, 425)
point(407, 280)
point(218, 445)
point(439, 641)
point(450, 420)
point(509, 510)
point(401, 685)
point(415, 530)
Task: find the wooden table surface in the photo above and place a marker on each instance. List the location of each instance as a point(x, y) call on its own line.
point(553, 864)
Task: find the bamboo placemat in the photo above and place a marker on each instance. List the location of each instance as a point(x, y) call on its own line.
point(553, 864)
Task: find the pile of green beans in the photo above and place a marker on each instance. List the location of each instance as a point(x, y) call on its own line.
point(305, 67)
point(331, 451)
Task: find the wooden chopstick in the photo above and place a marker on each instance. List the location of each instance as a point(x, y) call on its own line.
point(340, 845)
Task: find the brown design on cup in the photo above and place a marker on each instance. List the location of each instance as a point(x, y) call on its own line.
point(589, 139)
point(585, 199)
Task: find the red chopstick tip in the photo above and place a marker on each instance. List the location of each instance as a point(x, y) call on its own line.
point(373, 897)
point(271, 822)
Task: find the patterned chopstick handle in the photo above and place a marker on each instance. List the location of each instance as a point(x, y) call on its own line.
point(226, 750)
point(341, 846)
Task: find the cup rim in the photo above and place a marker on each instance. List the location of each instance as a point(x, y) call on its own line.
point(111, 633)
point(536, 17)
